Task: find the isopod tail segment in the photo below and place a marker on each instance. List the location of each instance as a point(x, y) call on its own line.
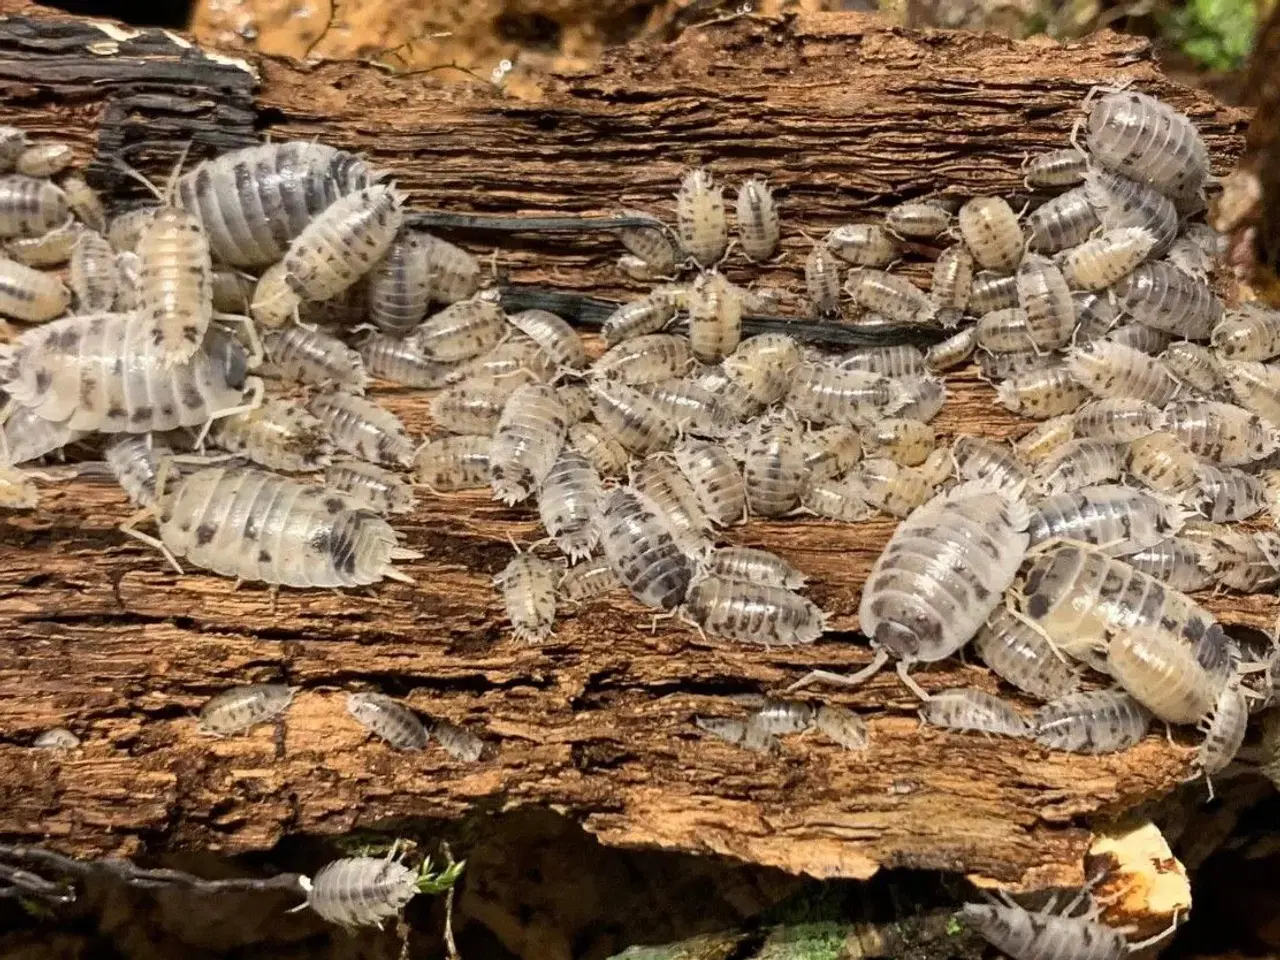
point(877, 664)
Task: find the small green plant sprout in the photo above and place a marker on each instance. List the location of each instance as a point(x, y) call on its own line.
point(433, 883)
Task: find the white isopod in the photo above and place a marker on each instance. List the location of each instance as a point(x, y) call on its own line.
point(700, 218)
point(388, 719)
point(963, 708)
point(362, 428)
point(240, 708)
point(528, 586)
point(759, 226)
point(752, 612)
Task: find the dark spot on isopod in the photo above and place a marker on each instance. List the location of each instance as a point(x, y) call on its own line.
point(191, 396)
point(70, 339)
point(1037, 605)
point(142, 414)
point(264, 556)
point(96, 325)
point(167, 409)
point(43, 379)
point(334, 504)
point(205, 534)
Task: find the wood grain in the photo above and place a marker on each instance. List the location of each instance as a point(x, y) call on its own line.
point(845, 116)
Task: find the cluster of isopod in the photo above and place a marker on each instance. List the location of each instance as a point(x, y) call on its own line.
point(263, 292)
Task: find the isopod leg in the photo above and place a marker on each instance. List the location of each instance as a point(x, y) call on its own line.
point(128, 528)
point(1137, 945)
point(257, 392)
point(909, 683)
point(256, 351)
point(844, 680)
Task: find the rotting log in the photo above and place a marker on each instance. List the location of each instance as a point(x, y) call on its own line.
point(844, 116)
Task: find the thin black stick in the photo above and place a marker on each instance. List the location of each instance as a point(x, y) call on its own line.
point(445, 220)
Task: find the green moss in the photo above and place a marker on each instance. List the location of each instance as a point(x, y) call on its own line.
point(1217, 33)
point(822, 940)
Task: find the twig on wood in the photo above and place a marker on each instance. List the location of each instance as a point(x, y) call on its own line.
point(123, 870)
point(447, 220)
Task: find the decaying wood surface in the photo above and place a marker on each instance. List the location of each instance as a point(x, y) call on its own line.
point(97, 634)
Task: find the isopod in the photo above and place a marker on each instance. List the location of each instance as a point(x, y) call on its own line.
point(647, 359)
point(126, 228)
point(763, 366)
point(134, 462)
point(369, 486)
point(401, 361)
point(630, 417)
point(1045, 298)
point(1080, 463)
point(952, 284)
point(842, 725)
point(1163, 673)
point(1045, 438)
point(1162, 462)
point(556, 338)
point(1109, 369)
point(953, 351)
point(715, 478)
point(977, 458)
point(30, 295)
point(254, 202)
point(517, 354)
point(453, 463)
point(1221, 432)
point(475, 405)
point(862, 245)
point(457, 741)
point(1114, 518)
point(899, 360)
point(646, 315)
point(1117, 419)
point(659, 479)
point(102, 372)
point(1122, 202)
point(992, 291)
point(940, 576)
point(642, 550)
point(51, 249)
point(753, 613)
point(917, 220)
point(822, 280)
point(314, 357)
point(1223, 494)
point(895, 297)
point(1251, 332)
point(909, 442)
point(92, 274)
point(1047, 936)
point(1094, 722)
point(992, 233)
point(963, 708)
point(1043, 393)
point(891, 487)
point(569, 503)
point(700, 218)
point(606, 454)
point(1020, 655)
point(651, 246)
point(1106, 259)
point(1140, 337)
point(1255, 386)
point(84, 202)
point(240, 708)
point(44, 159)
point(778, 717)
point(278, 434)
point(694, 410)
point(362, 428)
point(361, 891)
point(26, 435)
point(715, 317)
point(740, 733)
point(759, 226)
point(1161, 296)
point(389, 720)
point(454, 274)
point(1238, 559)
point(528, 585)
point(462, 330)
point(30, 207)
point(343, 242)
point(587, 580)
point(1055, 168)
point(1197, 367)
point(58, 738)
point(754, 566)
point(842, 499)
point(304, 536)
point(1174, 561)
point(1224, 729)
point(773, 468)
point(175, 285)
point(400, 285)
point(526, 442)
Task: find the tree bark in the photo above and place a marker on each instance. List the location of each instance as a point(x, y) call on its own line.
point(844, 116)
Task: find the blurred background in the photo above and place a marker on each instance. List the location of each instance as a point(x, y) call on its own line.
point(1205, 41)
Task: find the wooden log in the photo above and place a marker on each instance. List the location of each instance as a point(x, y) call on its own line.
point(845, 116)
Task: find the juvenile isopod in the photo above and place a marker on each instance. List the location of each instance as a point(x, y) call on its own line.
point(457, 741)
point(753, 613)
point(388, 719)
point(754, 566)
point(1045, 438)
point(1114, 518)
point(693, 409)
point(651, 246)
point(841, 725)
point(991, 231)
point(1064, 167)
point(1162, 462)
point(556, 338)
point(517, 354)
point(773, 468)
point(93, 276)
point(700, 218)
point(895, 297)
point(1159, 295)
point(715, 478)
point(842, 499)
point(593, 441)
point(899, 360)
point(240, 708)
point(103, 372)
point(44, 159)
point(1136, 135)
point(964, 708)
point(659, 479)
point(453, 463)
point(1226, 494)
point(362, 428)
point(908, 442)
point(1109, 369)
point(1083, 462)
point(526, 442)
point(314, 357)
point(715, 317)
point(1106, 259)
point(763, 366)
point(134, 462)
point(51, 249)
point(822, 280)
point(588, 580)
point(759, 226)
point(400, 285)
point(646, 315)
point(642, 550)
point(917, 220)
point(1251, 332)
point(862, 245)
point(1045, 298)
point(824, 395)
point(647, 359)
point(475, 405)
point(1020, 655)
point(30, 207)
point(254, 202)
point(1175, 561)
point(304, 537)
point(372, 487)
point(630, 417)
point(1005, 331)
point(952, 284)
point(891, 487)
point(361, 891)
point(462, 330)
point(953, 351)
point(1043, 393)
point(454, 273)
point(1094, 722)
point(940, 576)
point(1222, 432)
point(401, 361)
point(994, 463)
point(175, 285)
point(343, 242)
point(1122, 202)
point(30, 295)
point(1162, 671)
point(84, 202)
point(528, 586)
point(278, 434)
point(569, 504)
point(1117, 419)
point(1197, 367)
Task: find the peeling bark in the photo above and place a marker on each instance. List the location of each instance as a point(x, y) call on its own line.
point(845, 116)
